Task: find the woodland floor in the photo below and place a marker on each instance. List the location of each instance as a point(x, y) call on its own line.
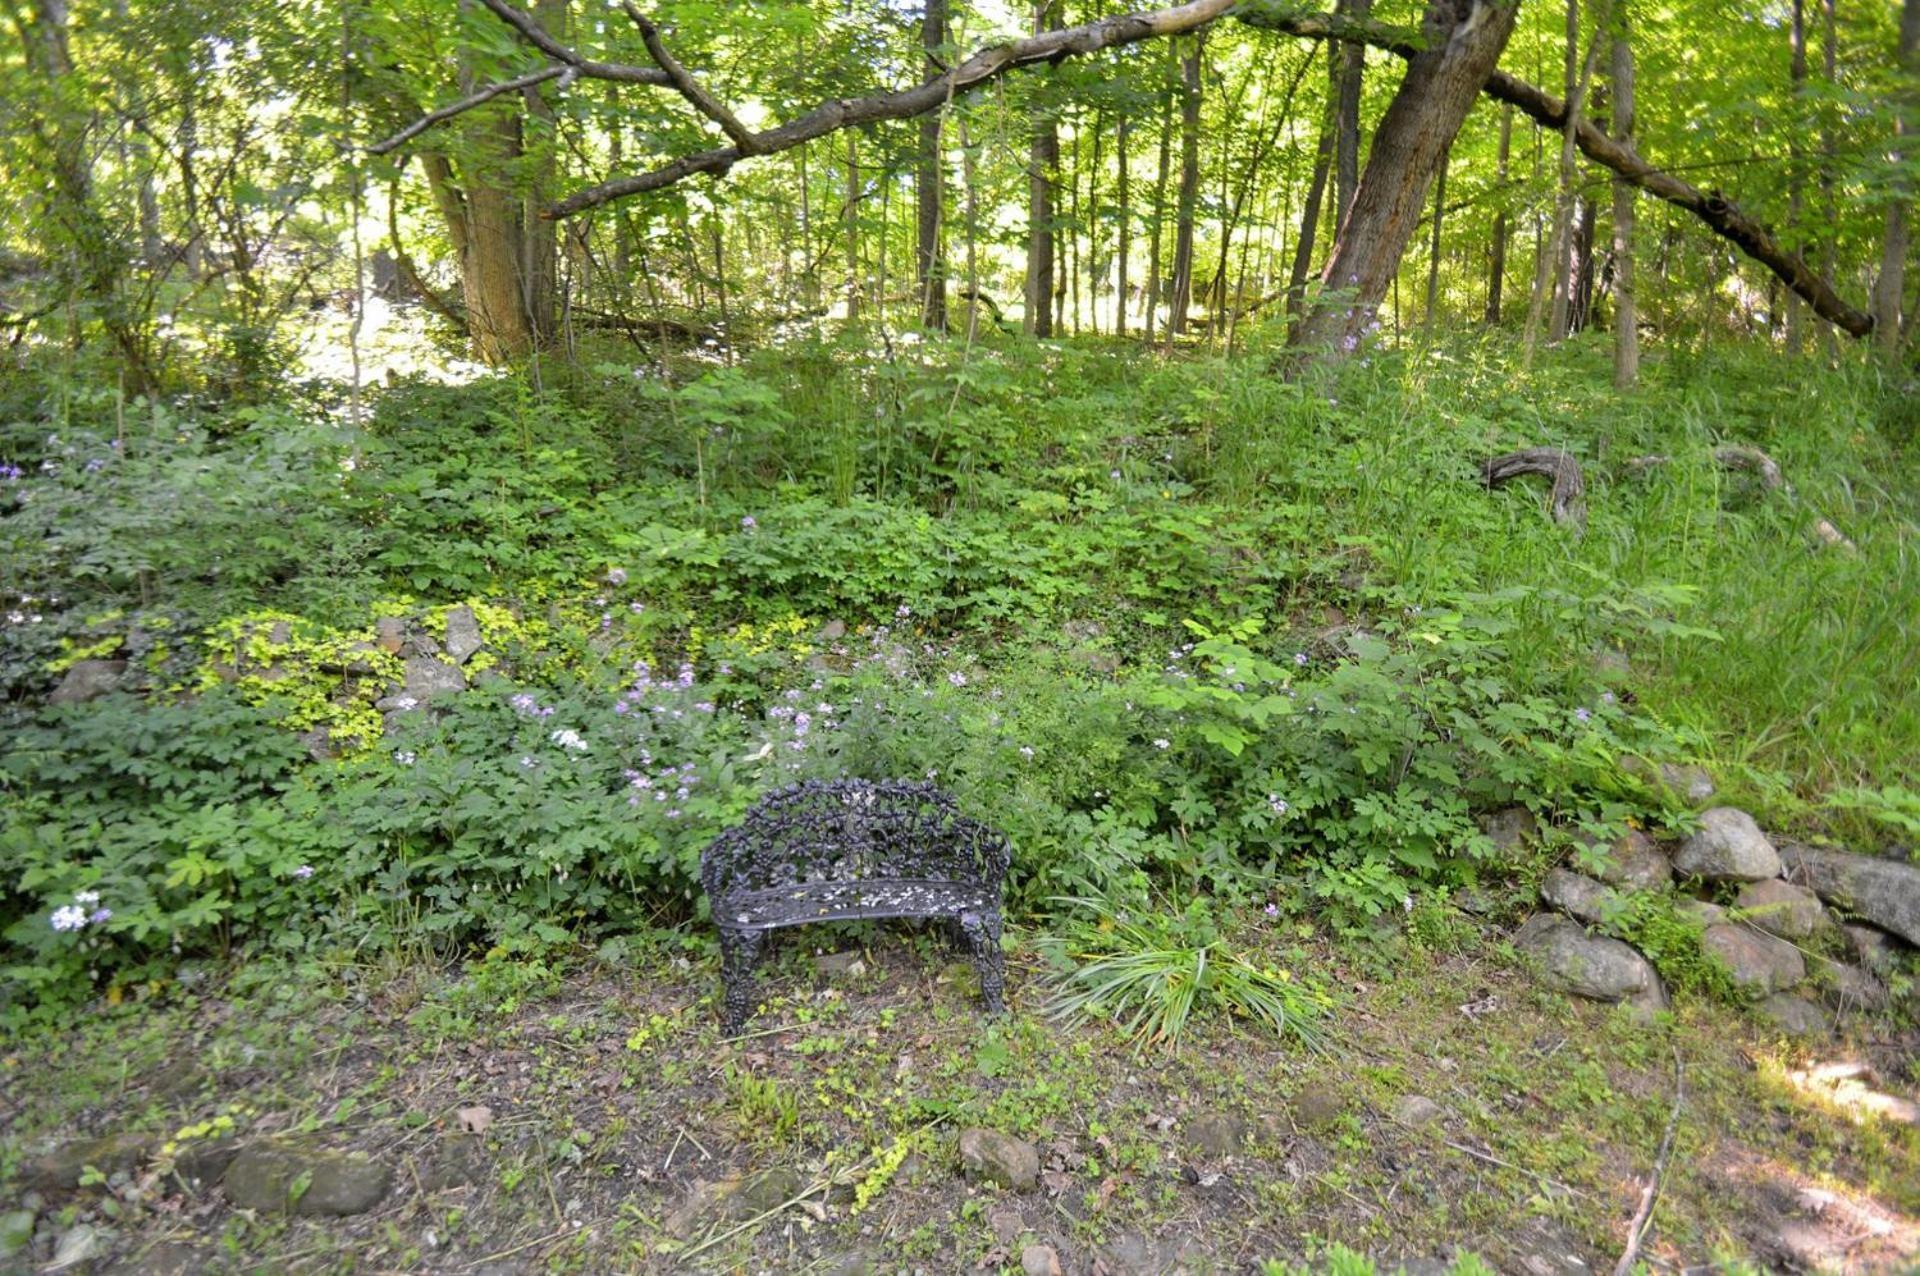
point(618, 1118)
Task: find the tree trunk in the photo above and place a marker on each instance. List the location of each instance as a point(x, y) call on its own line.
point(851, 229)
point(1497, 263)
point(1348, 70)
point(1626, 316)
point(1564, 197)
point(1889, 286)
point(1310, 219)
point(930, 265)
point(1433, 249)
point(1463, 44)
point(1830, 238)
point(1043, 159)
point(1160, 196)
point(1123, 198)
point(1797, 81)
point(1556, 249)
point(1182, 291)
point(1580, 295)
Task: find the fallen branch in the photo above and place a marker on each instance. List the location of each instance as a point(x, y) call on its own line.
point(1643, 1217)
point(1568, 500)
point(1736, 456)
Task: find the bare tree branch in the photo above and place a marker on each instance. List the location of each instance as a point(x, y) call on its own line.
point(690, 88)
point(565, 74)
point(533, 33)
point(983, 67)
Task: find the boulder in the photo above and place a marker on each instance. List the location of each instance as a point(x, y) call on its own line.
point(1416, 1110)
point(1883, 892)
point(1511, 830)
point(1872, 947)
point(390, 634)
point(1755, 960)
point(1317, 1107)
point(1590, 966)
point(65, 1165)
point(1680, 779)
point(993, 1157)
point(1728, 848)
point(463, 634)
point(1781, 908)
point(1795, 1016)
point(1703, 911)
point(87, 680)
point(265, 1177)
point(430, 679)
point(1216, 1134)
point(1849, 988)
point(1580, 897)
point(1632, 861)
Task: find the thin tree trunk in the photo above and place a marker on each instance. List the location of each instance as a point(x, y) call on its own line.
point(1433, 250)
point(1093, 263)
point(1580, 297)
point(1348, 69)
point(1123, 198)
point(1830, 238)
point(1073, 233)
point(1626, 315)
point(930, 265)
point(1497, 264)
point(1463, 45)
point(1556, 252)
point(1796, 180)
point(851, 230)
point(1043, 160)
point(973, 230)
point(1154, 259)
point(1310, 219)
point(1889, 286)
point(1564, 197)
point(1182, 292)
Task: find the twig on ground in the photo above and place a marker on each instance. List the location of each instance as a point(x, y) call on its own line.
point(508, 1253)
point(1643, 1217)
point(1491, 1159)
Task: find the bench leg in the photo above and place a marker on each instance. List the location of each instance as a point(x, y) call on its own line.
point(983, 937)
point(739, 951)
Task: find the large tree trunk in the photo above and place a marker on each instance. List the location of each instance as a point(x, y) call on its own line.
point(1043, 160)
point(1889, 286)
point(1347, 67)
point(1463, 44)
point(1182, 287)
point(1497, 256)
point(930, 266)
point(1626, 316)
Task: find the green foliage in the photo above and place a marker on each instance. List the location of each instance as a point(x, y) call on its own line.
point(1150, 973)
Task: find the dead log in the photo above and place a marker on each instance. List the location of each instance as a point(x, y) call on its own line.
point(1568, 500)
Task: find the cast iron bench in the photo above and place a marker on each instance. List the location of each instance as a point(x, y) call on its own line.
point(853, 850)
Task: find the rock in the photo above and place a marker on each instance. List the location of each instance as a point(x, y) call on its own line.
point(82, 1244)
point(851, 962)
point(390, 634)
point(1511, 830)
point(1883, 892)
point(1131, 1254)
point(1317, 1107)
point(1006, 1224)
point(1039, 1260)
point(460, 1160)
point(1728, 848)
point(1707, 914)
point(64, 1165)
point(463, 634)
point(1416, 1110)
point(1216, 1134)
point(833, 631)
point(264, 1176)
point(1681, 780)
point(1781, 908)
point(1648, 1002)
point(1632, 861)
point(766, 1190)
point(1872, 947)
point(1849, 988)
point(202, 1162)
point(87, 680)
point(1795, 1016)
point(167, 1258)
point(16, 1231)
point(1754, 959)
point(430, 679)
point(1590, 966)
point(993, 1157)
point(1580, 897)
point(701, 1201)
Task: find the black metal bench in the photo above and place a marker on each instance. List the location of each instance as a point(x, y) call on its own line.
point(853, 850)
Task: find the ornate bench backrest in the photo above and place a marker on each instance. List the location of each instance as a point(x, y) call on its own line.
point(853, 830)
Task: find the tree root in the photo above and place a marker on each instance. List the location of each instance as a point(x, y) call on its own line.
point(1568, 500)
